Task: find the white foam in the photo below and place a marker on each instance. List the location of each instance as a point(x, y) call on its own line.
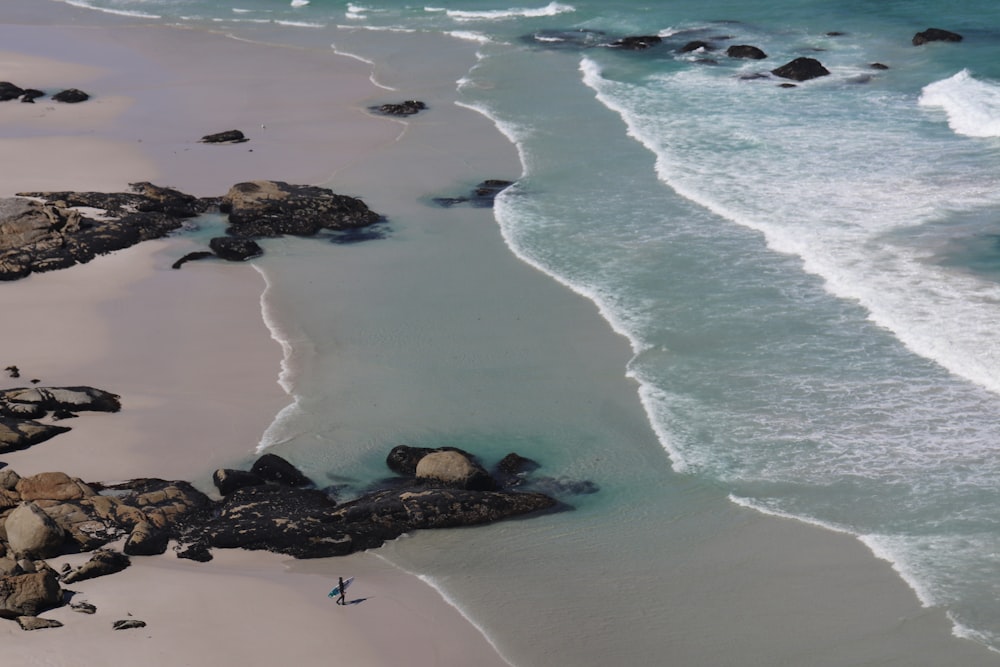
point(371, 77)
point(551, 9)
point(299, 3)
point(972, 106)
point(83, 4)
point(470, 36)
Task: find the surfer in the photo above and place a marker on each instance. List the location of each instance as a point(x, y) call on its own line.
point(340, 587)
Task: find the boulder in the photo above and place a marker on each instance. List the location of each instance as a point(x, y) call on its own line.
point(9, 91)
point(935, 35)
point(71, 96)
point(407, 108)
point(403, 459)
point(273, 468)
point(102, 563)
point(29, 594)
point(234, 249)
point(32, 532)
point(53, 486)
point(801, 69)
point(227, 480)
point(745, 51)
point(454, 468)
point(273, 208)
point(227, 137)
point(146, 540)
point(31, 94)
point(696, 45)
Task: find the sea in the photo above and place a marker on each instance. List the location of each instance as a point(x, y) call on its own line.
point(806, 276)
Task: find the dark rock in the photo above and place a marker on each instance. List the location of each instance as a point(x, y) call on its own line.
point(59, 415)
point(935, 35)
point(636, 42)
point(835, 33)
point(745, 51)
point(482, 195)
point(695, 46)
point(403, 459)
point(787, 85)
point(61, 398)
point(71, 96)
point(9, 91)
point(146, 540)
point(196, 551)
point(235, 249)
point(31, 94)
point(13, 371)
point(511, 469)
point(801, 69)
point(83, 607)
point(29, 594)
point(878, 66)
point(407, 108)
point(560, 486)
point(273, 468)
point(128, 624)
point(36, 623)
point(227, 481)
point(102, 563)
point(227, 137)
point(18, 434)
point(273, 208)
point(191, 257)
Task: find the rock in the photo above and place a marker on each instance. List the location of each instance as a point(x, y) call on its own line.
point(21, 434)
point(191, 257)
point(273, 208)
point(9, 91)
point(801, 69)
point(403, 459)
point(146, 540)
point(196, 551)
point(636, 42)
point(515, 464)
point(745, 51)
point(32, 532)
point(63, 398)
point(71, 96)
point(878, 66)
point(8, 479)
point(36, 623)
point(102, 563)
point(407, 108)
point(53, 486)
point(454, 468)
point(227, 481)
point(227, 137)
point(696, 45)
point(13, 371)
point(482, 195)
point(128, 624)
point(273, 468)
point(83, 607)
point(935, 35)
point(235, 249)
point(29, 594)
point(31, 94)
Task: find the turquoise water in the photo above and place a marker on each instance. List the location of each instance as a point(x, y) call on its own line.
point(807, 276)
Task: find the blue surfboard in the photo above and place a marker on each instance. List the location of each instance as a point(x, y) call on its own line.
point(336, 589)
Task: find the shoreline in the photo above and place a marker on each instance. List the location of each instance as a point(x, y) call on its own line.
point(730, 549)
point(184, 420)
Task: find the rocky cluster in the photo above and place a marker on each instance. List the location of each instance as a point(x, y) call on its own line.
point(406, 108)
point(9, 91)
point(44, 231)
point(272, 506)
point(21, 408)
point(798, 69)
point(482, 195)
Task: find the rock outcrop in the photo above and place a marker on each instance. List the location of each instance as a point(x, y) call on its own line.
point(482, 195)
point(935, 35)
point(29, 594)
point(20, 407)
point(745, 51)
point(801, 69)
point(636, 42)
point(227, 137)
point(406, 108)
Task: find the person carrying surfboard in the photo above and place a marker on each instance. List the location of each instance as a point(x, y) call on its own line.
point(341, 587)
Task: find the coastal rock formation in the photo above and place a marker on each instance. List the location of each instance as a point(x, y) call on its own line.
point(454, 468)
point(227, 137)
point(32, 533)
point(102, 563)
point(29, 594)
point(22, 433)
point(407, 108)
point(8, 91)
point(801, 69)
point(273, 208)
point(745, 51)
point(935, 35)
point(21, 406)
point(233, 249)
point(482, 195)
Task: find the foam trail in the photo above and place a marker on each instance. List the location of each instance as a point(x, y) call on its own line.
point(444, 596)
point(551, 9)
point(118, 12)
point(371, 77)
point(972, 106)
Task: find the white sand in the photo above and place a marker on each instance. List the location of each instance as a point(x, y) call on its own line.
point(188, 350)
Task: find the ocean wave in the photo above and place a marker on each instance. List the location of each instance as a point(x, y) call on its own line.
point(470, 36)
point(972, 106)
point(299, 3)
point(551, 9)
point(83, 4)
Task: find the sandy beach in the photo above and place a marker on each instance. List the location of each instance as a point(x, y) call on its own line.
point(197, 370)
point(188, 351)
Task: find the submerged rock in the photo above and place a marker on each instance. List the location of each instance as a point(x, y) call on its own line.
point(801, 69)
point(745, 51)
point(935, 35)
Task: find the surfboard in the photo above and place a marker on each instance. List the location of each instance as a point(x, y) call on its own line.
point(336, 589)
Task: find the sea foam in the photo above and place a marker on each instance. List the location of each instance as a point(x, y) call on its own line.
point(972, 106)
